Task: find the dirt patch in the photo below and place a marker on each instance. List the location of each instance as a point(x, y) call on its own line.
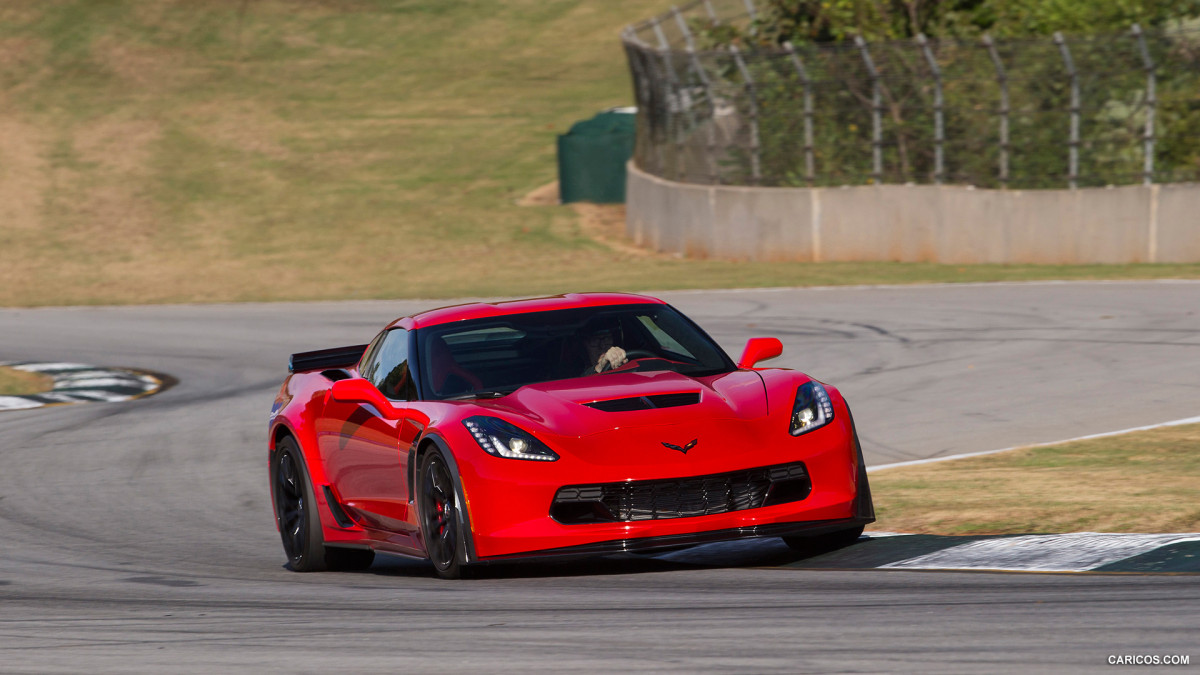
point(546, 195)
point(604, 223)
point(21, 53)
point(243, 126)
point(147, 68)
point(119, 145)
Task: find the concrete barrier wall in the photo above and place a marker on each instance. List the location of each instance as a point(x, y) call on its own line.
point(916, 223)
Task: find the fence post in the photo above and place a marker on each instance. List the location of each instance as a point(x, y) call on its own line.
point(876, 112)
point(641, 93)
point(939, 127)
point(694, 62)
point(678, 94)
point(750, 9)
point(809, 173)
point(755, 168)
point(1151, 105)
point(1073, 167)
point(712, 13)
point(683, 27)
point(660, 109)
point(753, 29)
point(1002, 79)
point(682, 101)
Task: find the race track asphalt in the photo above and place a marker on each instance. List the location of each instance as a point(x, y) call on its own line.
point(138, 537)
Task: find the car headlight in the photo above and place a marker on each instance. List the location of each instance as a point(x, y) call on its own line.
point(812, 409)
point(502, 439)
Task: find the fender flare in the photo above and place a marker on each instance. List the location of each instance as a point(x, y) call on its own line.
point(306, 438)
point(864, 504)
point(464, 517)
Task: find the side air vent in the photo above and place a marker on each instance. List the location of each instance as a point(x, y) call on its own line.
point(335, 508)
point(335, 375)
point(647, 402)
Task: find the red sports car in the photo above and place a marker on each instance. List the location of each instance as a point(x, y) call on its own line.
point(574, 425)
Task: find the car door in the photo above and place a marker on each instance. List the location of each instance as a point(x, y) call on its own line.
point(367, 457)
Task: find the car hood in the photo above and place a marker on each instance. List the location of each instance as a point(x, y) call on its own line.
point(586, 406)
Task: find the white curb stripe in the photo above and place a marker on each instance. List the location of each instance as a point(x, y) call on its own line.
point(17, 403)
point(1074, 552)
point(931, 460)
point(97, 383)
point(39, 367)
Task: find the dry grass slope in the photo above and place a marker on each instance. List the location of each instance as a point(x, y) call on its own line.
point(169, 151)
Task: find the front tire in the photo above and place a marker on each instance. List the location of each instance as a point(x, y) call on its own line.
point(441, 521)
point(296, 509)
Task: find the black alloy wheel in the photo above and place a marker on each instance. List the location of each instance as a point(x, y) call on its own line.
point(438, 504)
point(295, 509)
point(289, 505)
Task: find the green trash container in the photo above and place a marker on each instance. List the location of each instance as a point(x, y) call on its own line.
point(592, 157)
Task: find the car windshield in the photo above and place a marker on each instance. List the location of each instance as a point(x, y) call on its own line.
point(498, 355)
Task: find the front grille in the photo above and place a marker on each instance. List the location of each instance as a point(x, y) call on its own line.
point(681, 497)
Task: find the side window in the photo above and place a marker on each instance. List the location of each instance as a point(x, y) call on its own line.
point(368, 363)
point(389, 368)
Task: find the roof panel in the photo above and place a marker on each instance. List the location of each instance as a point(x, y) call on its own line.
point(479, 310)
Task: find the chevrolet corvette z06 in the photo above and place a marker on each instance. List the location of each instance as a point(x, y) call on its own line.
point(583, 424)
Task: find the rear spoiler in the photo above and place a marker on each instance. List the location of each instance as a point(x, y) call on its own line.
point(338, 357)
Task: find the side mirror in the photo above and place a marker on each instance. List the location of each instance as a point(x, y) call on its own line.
point(358, 390)
point(759, 349)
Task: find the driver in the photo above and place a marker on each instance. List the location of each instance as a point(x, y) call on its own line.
point(602, 354)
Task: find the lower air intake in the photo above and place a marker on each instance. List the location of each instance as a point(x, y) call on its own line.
point(681, 497)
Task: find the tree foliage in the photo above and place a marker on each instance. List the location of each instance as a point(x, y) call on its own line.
point(744, 110)
point(803, 21)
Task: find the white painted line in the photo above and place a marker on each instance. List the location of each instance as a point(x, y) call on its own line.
point(1074, 552)
point(931, 460)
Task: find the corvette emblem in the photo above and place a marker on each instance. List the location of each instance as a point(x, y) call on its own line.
point(685, 448)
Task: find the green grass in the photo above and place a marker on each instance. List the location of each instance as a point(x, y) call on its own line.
point(235, 150)
point(15, 382)
point(1139, 482)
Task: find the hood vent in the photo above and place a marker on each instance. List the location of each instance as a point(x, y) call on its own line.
point(647, 402)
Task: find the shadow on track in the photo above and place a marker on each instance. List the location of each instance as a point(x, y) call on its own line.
point(769, 552)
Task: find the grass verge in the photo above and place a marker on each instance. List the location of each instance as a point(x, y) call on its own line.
point(15, 382)
point(1139, 482)
point(158, 151)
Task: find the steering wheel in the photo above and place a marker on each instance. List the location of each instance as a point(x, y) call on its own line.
point(635, 354)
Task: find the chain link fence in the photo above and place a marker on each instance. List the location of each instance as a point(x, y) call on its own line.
point(1067, 111)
